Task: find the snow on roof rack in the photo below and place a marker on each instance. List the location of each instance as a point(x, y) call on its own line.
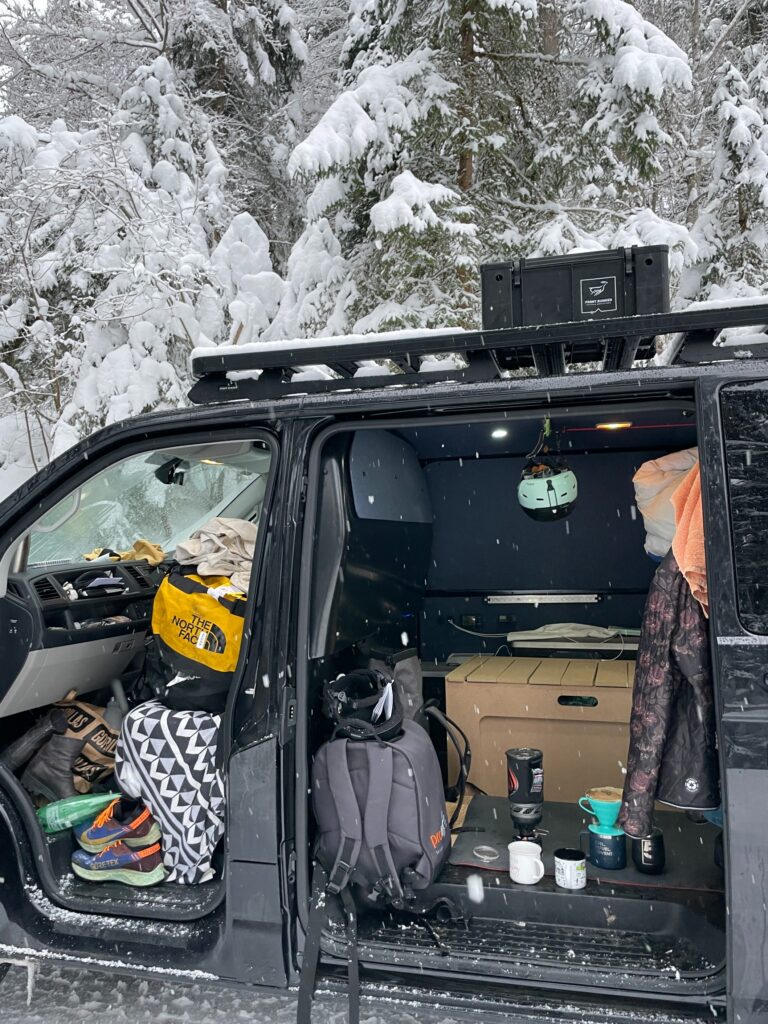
point(279, 369)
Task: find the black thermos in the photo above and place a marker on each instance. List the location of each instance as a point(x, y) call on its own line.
point(525, 788)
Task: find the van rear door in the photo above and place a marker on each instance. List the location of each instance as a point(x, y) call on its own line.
point(733, 434)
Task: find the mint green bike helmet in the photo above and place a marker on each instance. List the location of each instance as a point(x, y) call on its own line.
point(547, 488)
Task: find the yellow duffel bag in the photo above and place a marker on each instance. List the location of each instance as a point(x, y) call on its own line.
point(197, 622)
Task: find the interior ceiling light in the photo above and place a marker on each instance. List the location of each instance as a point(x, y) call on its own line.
point(617, 425)
point(499, 432)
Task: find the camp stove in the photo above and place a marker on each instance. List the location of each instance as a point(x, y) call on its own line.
point(525, 790)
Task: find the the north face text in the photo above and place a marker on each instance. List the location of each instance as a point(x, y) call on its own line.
point(200, 633)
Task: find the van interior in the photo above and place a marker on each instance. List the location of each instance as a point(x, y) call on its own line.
point(419, 542)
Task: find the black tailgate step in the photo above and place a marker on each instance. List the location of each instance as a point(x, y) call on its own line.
point(504, 947)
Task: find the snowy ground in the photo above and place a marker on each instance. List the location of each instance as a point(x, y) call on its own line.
point(75, 997)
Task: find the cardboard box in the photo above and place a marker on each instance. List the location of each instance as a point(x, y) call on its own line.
point(575, 710)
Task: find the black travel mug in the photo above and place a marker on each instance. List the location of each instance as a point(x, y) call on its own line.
point(525, 788)
point(648, 852)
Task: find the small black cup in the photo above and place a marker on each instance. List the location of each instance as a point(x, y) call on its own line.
point(648, 853)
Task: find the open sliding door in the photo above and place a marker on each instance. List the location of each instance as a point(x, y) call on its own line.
point(733, 432)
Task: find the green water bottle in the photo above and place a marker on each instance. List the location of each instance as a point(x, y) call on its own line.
point(72, 810)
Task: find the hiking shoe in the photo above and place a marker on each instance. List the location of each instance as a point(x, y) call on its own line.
point(118, 863)
point(122, 821)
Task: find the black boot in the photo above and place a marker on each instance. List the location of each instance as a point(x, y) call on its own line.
point(49, 773)
point(25, 746)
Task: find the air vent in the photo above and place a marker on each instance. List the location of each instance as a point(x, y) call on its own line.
point(46, 589)
point(136, 574)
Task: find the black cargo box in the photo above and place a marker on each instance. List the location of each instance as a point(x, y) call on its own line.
point(579, 286)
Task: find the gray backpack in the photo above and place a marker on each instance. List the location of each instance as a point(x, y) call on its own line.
point(380, 812)
point(382, 827)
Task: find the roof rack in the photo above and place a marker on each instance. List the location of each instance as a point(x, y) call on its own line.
point(227, 373)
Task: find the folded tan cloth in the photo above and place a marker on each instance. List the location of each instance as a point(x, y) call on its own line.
point(142, 551)
point(688, 542)
point(222, 547)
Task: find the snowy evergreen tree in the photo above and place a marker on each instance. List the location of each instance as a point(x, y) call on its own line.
point(241, 60)
point(727, 201)
point(621, 93)
point(169, 143)
point(146, 205)
point(116, 263)
point(235, 62)
point(451, 141)
point(125, 241)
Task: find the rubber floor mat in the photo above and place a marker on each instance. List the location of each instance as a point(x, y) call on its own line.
point(518, 942)
point(689, 847)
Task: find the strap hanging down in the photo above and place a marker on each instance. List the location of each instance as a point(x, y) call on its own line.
point(350, 841)
point(318, 917)
point(353, 966)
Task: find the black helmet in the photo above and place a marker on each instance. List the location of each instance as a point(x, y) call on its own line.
point(356, 703)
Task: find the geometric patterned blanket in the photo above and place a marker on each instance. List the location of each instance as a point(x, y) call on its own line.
point(167, 759)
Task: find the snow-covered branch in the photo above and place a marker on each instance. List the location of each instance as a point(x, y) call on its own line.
point(726, 33)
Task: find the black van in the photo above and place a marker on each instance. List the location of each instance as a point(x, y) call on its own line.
point(388, 519)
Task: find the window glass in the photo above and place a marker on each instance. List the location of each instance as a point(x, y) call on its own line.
point(160, 496)
point(744, 410)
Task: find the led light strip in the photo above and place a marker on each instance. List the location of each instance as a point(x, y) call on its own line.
point(542, 599)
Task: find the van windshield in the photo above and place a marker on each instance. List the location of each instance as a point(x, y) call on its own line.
point(159, 496)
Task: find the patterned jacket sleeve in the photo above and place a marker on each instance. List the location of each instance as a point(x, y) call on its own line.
point(652, 700)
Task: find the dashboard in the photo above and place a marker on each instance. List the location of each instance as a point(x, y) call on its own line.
point(72, 626)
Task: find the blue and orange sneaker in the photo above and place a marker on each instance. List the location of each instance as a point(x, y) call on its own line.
point(118, 863)
point(122, 821)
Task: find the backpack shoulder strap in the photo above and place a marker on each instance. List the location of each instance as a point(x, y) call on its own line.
point(376, 817)
point(348, 813)
point(350, 841)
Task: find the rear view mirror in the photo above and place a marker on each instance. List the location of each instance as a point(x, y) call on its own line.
point(172, 472)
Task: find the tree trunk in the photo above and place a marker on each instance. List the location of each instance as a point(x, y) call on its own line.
point(695, 106)
point(743, 209)
point(550, 40)
point(466, 156)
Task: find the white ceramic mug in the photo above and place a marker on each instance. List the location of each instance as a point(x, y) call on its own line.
point(525, 864)
point(570, 869)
